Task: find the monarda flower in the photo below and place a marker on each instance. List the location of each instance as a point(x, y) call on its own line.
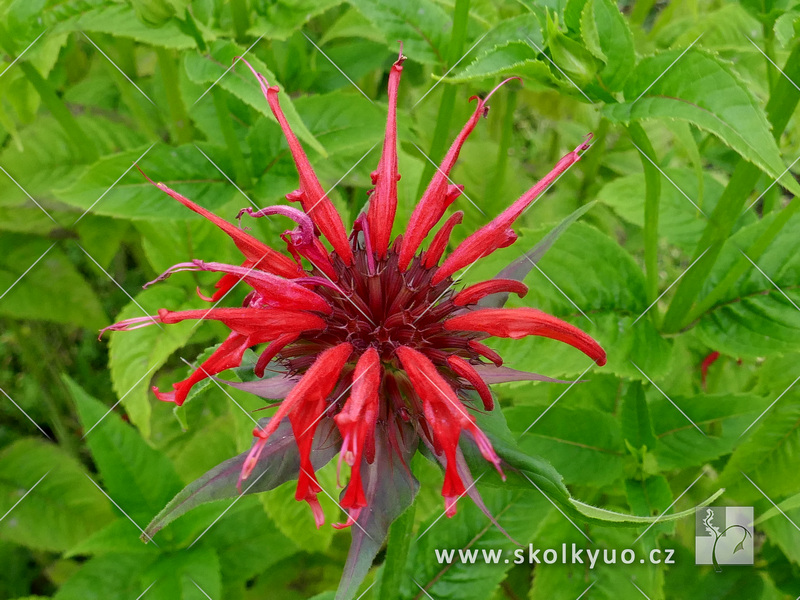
point(374, 347)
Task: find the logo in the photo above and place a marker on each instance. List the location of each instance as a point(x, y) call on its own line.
point(724, 536)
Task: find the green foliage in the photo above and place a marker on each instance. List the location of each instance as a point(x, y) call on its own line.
point(674, 238)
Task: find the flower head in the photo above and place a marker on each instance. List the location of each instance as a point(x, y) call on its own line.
point(371, 340)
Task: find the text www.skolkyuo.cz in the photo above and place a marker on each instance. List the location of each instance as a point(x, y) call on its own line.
point(566, 555)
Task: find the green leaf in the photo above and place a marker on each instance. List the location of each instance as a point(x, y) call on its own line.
point(612, 517)
point(134, 356)
point(511, 58)
point(278, 20)
point(754, 318)
point(139, 478)
point(609, 38)
point(52, 289)
point(650, 496)
point(207, 69)
point(188, 574)
point(637, 428)
point(61, 506)
point(110, 577)
point(705, 91)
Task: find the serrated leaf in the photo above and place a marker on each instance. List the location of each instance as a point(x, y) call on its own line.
point(60, 507)
point(139, 478)
point(278, 20)
point(134, 356)
point(210, 68)
point(511, 58)
point(703, 90)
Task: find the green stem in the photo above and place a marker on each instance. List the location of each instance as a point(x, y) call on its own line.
point(448, 101)
point(782, 103)
point(394, 569)
point(231, 141)
point(591, 161)
point(133, 100)
point(180, 127)
point(497, 182)
point(241, 18)
point(652, 180)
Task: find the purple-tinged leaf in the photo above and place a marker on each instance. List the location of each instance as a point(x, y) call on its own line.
point(492, 374)
point(279, 462)
point(520, 268)
point(390, 489)
point(273, 388)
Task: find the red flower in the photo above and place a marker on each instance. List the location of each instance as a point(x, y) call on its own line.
point(370, 337)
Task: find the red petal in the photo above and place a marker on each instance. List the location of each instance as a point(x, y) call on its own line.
point(486, 352)
point(271, 351)
point(383, 200)
point(445, 414)
point(474, 293)
point(311, 195)
point(517, 323)
point(440, 193)
point(463, 369)
point(441, 239)
point(250, 320)
point(498, 233)
point(255, 251)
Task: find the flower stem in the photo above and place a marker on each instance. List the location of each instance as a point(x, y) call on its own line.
point(394, 566)
point(652, 180)
point(782, 103)
point(180, 127)
point(235, 150)
point(448, 101)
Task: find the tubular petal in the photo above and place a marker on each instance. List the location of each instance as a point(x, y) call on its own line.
point(463, 369)
point(486, 352)
point(383, 201)
point(356, 423)
point(305, 406)
point(311, 195)
point(445, 414)
point(439, 193)
point(497, 233)
point(254, 250)
point(250, 320)
point(473, 293)
point(516, 323)
point(275, 346)
point(440, 240)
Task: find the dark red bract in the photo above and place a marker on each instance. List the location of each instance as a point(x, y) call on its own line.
point(370, 334)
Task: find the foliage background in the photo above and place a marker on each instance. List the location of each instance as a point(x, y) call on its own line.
point(693, 124)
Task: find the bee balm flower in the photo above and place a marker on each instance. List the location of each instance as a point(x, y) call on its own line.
point(376, 349)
